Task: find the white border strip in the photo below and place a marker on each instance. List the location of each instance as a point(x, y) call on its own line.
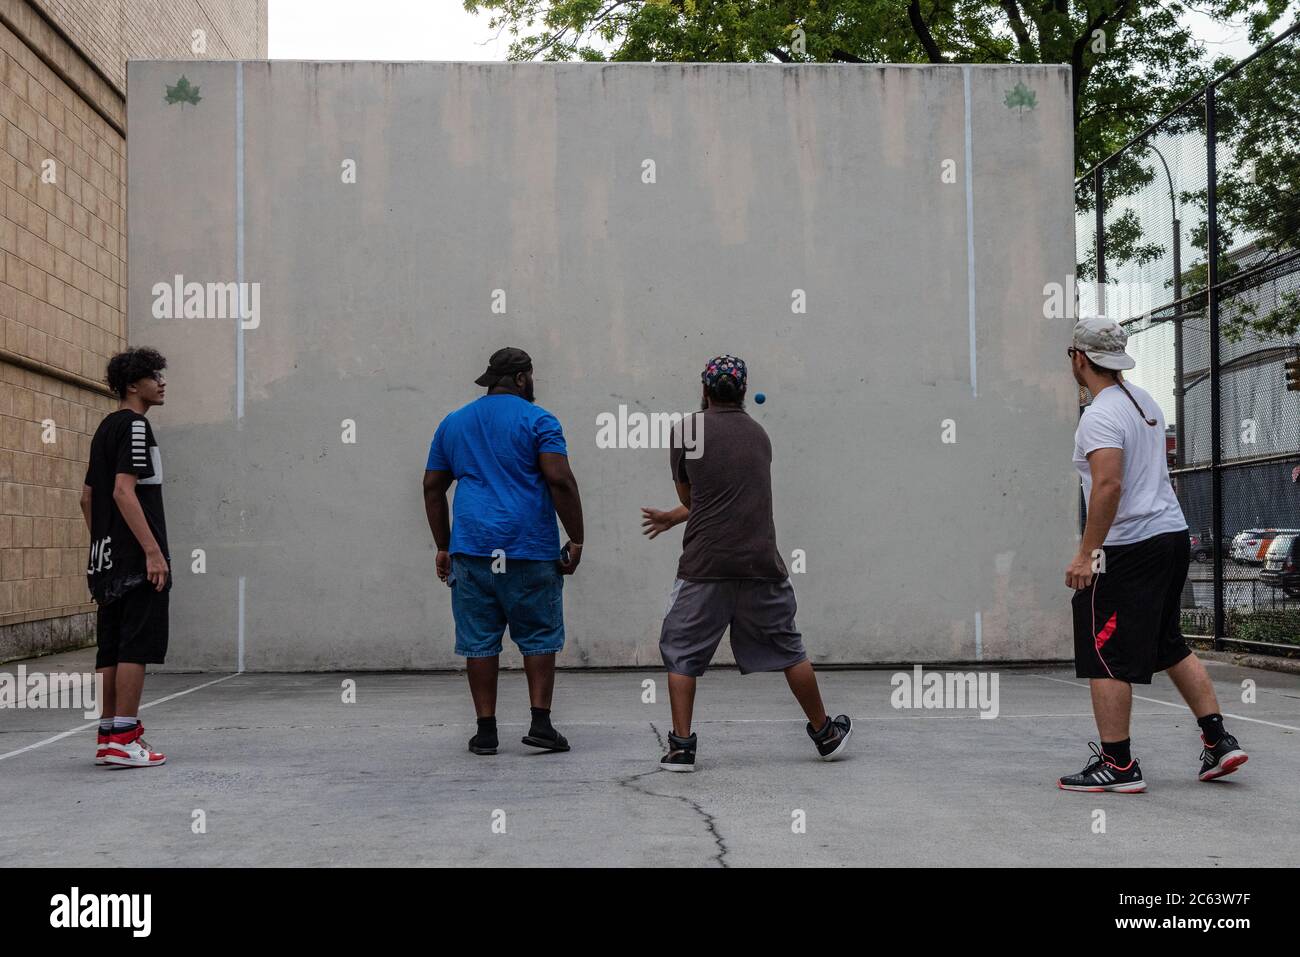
point(239, 240)
point(970, 233)
point(239, 661)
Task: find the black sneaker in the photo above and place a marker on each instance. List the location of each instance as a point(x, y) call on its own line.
point(833, 736)
point(1224, 758)
point(483, 744)
point(681, 753)
point(1102, 774)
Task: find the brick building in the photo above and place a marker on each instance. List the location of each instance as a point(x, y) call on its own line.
point(63, 276)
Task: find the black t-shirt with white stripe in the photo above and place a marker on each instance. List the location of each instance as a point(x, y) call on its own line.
point(123, 443)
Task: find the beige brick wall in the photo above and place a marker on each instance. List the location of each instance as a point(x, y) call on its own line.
point(43, 539)
point(63, 267)
point(109, 32)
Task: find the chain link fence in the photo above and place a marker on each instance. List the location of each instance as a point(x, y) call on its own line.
point(1189, 236)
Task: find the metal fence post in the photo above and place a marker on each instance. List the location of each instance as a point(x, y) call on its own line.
point(1212, 292)
point(1100, 202)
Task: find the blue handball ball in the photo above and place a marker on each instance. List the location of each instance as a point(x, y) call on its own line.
point(760, 398)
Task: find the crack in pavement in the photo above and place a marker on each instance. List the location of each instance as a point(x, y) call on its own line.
point(710, 823)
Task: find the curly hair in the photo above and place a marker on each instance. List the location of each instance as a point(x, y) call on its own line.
point(726, 389)
point(132, 366)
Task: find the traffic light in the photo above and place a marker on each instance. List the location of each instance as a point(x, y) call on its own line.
point(1293, 375)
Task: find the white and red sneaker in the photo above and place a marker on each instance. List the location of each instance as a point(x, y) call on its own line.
point(101, 748)
point(129, 750)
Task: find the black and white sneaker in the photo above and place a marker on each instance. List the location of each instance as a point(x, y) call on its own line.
point(1102, 774)
point(832, 737)
point(1224, 758)
point(681, 753)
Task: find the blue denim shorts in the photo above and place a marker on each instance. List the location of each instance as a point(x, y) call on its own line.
point(527, 596)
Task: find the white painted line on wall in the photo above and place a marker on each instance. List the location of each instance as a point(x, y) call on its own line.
point(239, 665)
point(1170, 704)
point(239, 241)
point(90, 724)
point(979, 638)
point(970, 234)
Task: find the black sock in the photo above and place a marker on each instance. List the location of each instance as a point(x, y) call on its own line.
point(1118, 752)
point(542, 723)
point(487, 729)
point(1212, 728)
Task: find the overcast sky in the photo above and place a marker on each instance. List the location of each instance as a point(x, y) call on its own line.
point(442, 30)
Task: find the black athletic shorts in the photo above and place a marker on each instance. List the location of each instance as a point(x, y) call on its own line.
point(1126, 622)
point(133, 629)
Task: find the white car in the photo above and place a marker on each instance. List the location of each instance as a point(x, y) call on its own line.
point(1251, 546)
point(1245, 544)
point(1280, 565)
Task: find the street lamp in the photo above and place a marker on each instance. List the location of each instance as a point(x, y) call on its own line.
point(1179, 449)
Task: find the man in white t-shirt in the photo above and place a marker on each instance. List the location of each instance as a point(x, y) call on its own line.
point(1129, 572)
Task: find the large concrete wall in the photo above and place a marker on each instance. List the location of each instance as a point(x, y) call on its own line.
point(377, 306)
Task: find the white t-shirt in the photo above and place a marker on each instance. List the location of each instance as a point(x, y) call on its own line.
point(1147, 504)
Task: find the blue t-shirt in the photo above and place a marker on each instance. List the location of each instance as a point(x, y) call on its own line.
point(502, 500)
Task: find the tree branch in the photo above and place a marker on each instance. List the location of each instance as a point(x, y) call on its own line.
point(1020, 30)
point(923, 34)
point(1079, 75)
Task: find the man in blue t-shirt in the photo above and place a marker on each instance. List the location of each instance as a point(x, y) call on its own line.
point(500, 553)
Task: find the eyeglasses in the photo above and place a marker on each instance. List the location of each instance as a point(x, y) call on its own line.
point(158, 377)
point(1071, 352)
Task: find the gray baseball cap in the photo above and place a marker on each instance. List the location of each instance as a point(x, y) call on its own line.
point(1103, 340)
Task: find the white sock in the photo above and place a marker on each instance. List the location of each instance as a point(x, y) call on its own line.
point(123, 724)
point(105, 725)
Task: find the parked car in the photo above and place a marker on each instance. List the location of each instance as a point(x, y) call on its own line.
point(1282, 565)
point(1246, 544)
point(1252, 545)
point(1203, 547)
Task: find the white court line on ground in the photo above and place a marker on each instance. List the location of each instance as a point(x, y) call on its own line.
point(91, 724)
point(642, 723)
point(1169, 704)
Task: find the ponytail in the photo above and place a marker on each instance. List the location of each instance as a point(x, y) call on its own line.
point(1151, 422)
point(1114, 374)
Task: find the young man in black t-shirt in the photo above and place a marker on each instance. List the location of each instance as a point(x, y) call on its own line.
point(129, 573)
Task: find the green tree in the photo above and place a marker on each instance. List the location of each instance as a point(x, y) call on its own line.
point(1131, 60)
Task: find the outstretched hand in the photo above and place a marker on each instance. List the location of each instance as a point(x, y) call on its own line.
point(655, 521)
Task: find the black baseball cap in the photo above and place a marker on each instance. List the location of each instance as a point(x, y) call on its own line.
point(505, 362)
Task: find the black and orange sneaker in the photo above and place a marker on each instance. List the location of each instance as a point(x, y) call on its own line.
point(1102, 774)
point(831, 737)
point(1224, 758)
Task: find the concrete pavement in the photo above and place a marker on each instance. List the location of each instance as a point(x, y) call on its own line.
point(285, 773)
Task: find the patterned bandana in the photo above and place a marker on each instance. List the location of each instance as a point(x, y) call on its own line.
point(724, 365)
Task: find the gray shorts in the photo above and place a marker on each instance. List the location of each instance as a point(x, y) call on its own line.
point(761, 616)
